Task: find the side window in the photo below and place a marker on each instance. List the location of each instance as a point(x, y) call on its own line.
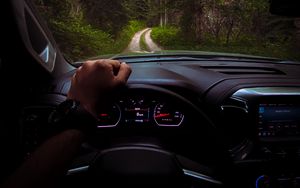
point(39, 40)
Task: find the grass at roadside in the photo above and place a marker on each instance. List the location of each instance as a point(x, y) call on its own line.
point(79, 40)
point(143, 44)
point(167, 36)
point(172, 39)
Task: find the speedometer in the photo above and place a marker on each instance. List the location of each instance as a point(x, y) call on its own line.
point(109, 117)
point(165, 115)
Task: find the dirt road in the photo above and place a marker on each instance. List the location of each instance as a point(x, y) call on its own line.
point(151, 45)
point(134, 45)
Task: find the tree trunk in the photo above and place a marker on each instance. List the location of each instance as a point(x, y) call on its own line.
point(297, 25)
point(198, 13)
point(166, 15)
point(160, 14)
point(229, 32)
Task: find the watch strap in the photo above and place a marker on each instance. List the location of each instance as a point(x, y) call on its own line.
point(71, 115)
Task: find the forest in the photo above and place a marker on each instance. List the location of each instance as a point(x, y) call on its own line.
point(90, 28)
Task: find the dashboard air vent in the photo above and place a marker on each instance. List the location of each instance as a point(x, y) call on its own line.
point(231, 70)
point(235, 119)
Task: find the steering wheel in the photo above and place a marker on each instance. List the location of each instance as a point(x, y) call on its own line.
point(191, 155)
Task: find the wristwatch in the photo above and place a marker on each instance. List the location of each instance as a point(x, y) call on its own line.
point(71, 115)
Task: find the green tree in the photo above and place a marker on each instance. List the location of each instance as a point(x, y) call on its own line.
point(137, 9)
point(108, 15)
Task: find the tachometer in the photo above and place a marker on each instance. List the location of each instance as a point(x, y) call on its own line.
point(164, 115)
point(109, 117)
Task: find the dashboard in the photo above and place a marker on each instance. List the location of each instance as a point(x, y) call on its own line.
point(256, 117)
point(188, 103)
point(191, 104)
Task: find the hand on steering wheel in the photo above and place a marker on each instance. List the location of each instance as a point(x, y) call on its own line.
point(94, 81)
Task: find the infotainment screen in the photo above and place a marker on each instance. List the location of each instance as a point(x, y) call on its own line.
point(278, 120)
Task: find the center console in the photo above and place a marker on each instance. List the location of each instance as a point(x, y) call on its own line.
point(274, 117)
point(278, 121)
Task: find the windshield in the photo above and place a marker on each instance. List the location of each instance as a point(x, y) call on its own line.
point(86, 29)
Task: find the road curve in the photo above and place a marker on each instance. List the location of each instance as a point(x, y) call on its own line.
point(134, 45)
point(151, 45)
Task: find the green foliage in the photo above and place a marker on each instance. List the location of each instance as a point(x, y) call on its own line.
point(108, 15)
point(126, 35)
point(238, 26)
point(60, 9)
point(171, 38)
point(79, 40)
point(134, 26)
point(87, 28)
point(166, 36)
point(136, 9)
point(282, 51)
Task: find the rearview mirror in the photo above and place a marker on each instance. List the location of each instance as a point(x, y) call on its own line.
point(289, 8)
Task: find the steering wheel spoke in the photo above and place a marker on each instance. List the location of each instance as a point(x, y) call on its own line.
point(137, 165)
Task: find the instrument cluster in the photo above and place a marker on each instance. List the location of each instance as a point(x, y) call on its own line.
point(141, 111)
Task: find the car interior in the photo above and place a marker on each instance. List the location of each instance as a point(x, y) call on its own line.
point(233, 121)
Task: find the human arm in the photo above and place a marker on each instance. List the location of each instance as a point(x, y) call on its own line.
point(48, 163)
point(91, 85)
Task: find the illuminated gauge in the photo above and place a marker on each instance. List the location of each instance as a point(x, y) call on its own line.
point(164, 115)
point(109, 117)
